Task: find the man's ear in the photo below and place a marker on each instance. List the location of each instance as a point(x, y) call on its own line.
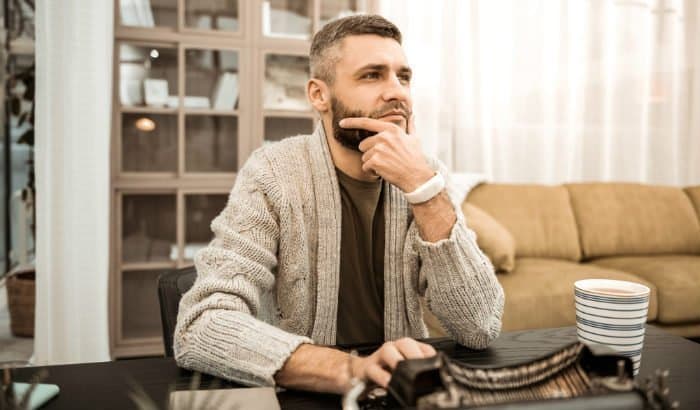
point(318, 93)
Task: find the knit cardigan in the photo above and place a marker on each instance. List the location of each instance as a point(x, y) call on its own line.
point(268, 281)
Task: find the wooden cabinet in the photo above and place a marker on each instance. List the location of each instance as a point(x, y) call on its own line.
point(198, 85)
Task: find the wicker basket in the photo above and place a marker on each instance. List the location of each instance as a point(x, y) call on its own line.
point(20, 300)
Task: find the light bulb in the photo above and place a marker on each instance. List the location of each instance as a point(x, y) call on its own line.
point(145, 124)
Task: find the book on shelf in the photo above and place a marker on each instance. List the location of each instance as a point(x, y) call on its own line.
point(226, 23)
point(147, 12)
point(136, 13)
point(127, 13)
point(225, 92)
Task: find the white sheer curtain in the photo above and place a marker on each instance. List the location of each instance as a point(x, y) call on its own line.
point(554, 91)
point(74, 75)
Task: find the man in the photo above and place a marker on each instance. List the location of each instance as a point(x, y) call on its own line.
point(335, 238)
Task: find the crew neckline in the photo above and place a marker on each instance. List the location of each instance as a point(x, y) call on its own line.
point(358, 182)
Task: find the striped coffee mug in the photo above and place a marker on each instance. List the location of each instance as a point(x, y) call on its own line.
point(612, 313)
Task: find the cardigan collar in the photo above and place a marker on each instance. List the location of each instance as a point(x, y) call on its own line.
point(329, 217)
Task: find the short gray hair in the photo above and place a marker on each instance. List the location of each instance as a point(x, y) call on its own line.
point(322, 63)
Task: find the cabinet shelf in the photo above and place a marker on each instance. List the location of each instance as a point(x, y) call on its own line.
point(209, 111)
point(144, 33)
point(126, 109)
point(141, 266)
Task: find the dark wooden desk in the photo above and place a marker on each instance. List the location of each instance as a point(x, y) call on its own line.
point(106, 385)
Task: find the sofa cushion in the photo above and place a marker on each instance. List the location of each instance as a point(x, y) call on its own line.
point(492, 237)
point(538, 216)
point(676, 278)
point(540, 292)
point(694, 195)
point(633, 219)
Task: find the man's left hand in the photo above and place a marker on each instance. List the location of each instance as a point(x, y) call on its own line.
point(392, 153)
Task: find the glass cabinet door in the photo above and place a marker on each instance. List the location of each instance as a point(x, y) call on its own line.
point(148, 13)
point(211, 100)
point(147, 75)
point(211, 79)
point(277, 128)
point(149, 142)
point(212, 15)
point(285, 82)
point(211, 143)
point(200, 210)
point(148, 228)
point(287, 18)
point(139, 305)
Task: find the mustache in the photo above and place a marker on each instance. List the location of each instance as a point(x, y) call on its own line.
point(392, 107)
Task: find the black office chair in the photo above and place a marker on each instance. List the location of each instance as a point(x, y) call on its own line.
point(172, 285)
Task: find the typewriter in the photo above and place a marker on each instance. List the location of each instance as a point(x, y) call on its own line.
point(575, 377)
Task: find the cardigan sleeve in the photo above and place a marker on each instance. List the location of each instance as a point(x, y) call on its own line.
point(217, 330)
point(459, 282)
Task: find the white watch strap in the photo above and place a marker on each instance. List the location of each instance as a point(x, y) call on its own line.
point(426, 191)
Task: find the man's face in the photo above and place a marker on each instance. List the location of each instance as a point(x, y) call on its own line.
point(372, 79)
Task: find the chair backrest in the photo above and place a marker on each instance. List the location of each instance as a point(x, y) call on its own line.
point(172, 285)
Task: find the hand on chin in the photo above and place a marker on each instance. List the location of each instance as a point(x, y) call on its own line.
point(392, 153)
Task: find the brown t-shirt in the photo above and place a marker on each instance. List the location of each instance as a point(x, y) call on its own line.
point(361, 292)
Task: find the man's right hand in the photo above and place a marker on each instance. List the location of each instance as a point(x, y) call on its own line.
point(378, 366)
point(324, 369)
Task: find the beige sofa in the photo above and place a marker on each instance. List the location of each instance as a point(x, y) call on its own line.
point(543, 238)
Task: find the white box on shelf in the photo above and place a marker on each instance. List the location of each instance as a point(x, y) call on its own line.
point(155, 91)
point(130, 92)
point(225, 92)
point(203, 22)
point(197, 102)
point(173, 101)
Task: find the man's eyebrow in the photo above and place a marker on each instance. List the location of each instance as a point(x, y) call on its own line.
point(367, 67)
point(383, 67)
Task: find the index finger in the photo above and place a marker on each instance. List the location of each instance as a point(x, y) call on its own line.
point(409, 348)
point(369, 124)
point(427, 349)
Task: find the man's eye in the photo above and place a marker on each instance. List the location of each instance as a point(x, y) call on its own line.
point(371, 75)
point(406, 78)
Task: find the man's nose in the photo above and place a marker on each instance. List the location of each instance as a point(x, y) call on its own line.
point(396, 90)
